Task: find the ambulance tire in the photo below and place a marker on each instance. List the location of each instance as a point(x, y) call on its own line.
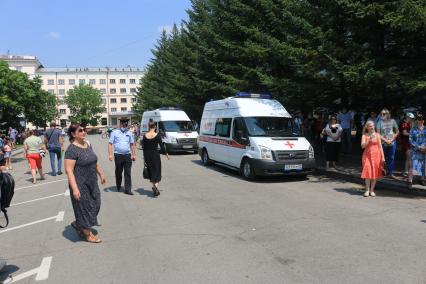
point(247, 170)
point(205, 158)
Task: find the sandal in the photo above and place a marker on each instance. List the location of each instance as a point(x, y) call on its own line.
point(156, 191)
point(92, 239)
point(77, 228)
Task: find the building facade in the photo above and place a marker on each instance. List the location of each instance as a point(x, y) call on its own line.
point(117, 86)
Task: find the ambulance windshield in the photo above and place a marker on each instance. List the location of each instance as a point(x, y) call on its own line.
point(176, 126)
point(269, 126)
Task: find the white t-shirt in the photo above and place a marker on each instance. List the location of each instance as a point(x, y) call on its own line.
point(333, 133)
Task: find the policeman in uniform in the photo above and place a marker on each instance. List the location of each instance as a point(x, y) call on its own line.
point(122, 142)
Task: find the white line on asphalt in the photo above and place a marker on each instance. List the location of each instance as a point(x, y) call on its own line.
point(67, 193)
point(42, 198)
point(57, 218)
point(43, 271)
point(40, 184)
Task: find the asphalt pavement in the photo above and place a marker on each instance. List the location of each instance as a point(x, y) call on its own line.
point(210, 226)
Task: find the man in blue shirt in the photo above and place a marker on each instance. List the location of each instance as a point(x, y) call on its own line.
point(123, 142)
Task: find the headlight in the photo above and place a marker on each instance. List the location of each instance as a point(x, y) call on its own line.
point(311, 153)
point(173, 140)
point(265, 153)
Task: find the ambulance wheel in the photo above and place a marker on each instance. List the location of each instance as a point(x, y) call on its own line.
point(205, 158)
point(247, 170)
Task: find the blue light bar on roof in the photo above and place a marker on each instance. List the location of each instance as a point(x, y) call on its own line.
point(254, 96)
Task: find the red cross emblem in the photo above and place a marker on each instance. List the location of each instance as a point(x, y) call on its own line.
point(289, 144)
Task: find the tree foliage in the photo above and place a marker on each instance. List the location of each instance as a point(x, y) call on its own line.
point(20, 95)
point(307, 54)
point(85, 104)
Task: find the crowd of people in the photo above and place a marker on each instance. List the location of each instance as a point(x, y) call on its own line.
point(379, 137)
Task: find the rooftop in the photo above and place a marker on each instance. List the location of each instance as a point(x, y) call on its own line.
point(89, 69)
point(17, 57)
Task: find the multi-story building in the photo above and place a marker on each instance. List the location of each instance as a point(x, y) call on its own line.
point(117, 86)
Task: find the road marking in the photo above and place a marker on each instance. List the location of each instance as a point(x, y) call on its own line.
point(42, 198)
point(41, 272)
point(40, 184)
point(58, 218)
point(67, 193)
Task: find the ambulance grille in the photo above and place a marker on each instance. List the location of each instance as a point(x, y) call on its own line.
point(291, 155)
point(187, 141)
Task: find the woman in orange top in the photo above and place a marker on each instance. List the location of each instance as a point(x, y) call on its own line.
point(372, 158)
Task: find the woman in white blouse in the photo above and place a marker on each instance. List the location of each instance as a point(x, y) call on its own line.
point(333, 130)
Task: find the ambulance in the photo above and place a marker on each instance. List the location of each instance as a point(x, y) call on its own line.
point(174, 126)
point(253, 134)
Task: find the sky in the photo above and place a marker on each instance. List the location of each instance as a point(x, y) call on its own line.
point(90, 33)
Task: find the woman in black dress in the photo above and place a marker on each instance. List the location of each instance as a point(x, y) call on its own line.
point(150, 142)
point(81, 166)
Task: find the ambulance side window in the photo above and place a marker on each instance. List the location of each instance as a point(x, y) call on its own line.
point(223, 127)
point(239, 132)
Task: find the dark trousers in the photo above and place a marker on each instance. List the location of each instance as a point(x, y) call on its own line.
point(123, 162)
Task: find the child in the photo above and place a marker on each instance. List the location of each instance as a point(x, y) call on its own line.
point(8, 153)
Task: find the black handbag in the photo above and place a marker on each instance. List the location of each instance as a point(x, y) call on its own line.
point(146, 174)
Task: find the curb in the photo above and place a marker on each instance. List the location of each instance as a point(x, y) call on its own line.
point(398, 186)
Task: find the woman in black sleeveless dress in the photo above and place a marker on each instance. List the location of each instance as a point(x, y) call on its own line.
point(150, 142)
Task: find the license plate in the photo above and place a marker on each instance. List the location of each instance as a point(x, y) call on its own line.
point(187, 147)
point(293, 167)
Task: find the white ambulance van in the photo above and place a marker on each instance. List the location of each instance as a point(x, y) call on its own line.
point(254, 134)
point(175, 128)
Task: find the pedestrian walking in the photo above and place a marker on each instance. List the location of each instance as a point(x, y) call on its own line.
point(34, 150)
point(7, 148)
point(2, 159)
point(418, 151)
point(334, 131)
point(12, 135)
point(150, 142)
point(372, 158)
point(55, 143)
point(82, 169)
point(123, 143)
point(405, 128)
point(346, 119)
point(389, 131)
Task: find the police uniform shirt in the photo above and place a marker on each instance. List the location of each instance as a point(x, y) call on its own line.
point(121, 141)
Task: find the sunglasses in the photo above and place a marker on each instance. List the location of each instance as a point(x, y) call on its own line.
point(82, 130)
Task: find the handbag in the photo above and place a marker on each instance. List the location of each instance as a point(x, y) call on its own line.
point(146, 174)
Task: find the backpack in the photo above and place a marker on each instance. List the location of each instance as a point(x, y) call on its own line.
point(7, 189)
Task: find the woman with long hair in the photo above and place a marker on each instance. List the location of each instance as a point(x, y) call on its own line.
point(150, 142)
point(418, 151)
point(373, 158)
point(82, 168)
point(32, 146)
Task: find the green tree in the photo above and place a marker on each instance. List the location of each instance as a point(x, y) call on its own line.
point(85, 104)
point(20, 95)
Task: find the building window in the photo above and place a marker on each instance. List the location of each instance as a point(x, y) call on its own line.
point(71, 82)
point(132, 81)
point(82, 81)
point(103, 101)
point(61, 91)
point(112, 81)
point(113, 101)
point(50, 82)
point(134, 100)
point(132, 90)
point(112, 91)
point(124, 109)
point(92, 81)
point(18, 68)
point(102, 81)
point(60, 101)
point(62, 111)
point(122, 90)
point(63, 123)
point(52, 91)
point(104, 121)
point(102, 91)
point(113, 109)
point(61, 82)
point(122, 81)
point(123, 100)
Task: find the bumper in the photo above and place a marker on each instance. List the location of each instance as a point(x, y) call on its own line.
point(181, 147)
point(268, 168)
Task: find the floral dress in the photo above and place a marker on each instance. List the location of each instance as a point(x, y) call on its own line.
point(417, 139)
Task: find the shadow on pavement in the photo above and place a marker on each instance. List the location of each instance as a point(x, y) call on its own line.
point(227, 172)
point(380, 193)
point(70, 234)
point(7, 271)
point(148, 193)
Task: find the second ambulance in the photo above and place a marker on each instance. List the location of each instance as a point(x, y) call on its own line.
point(253, 134)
